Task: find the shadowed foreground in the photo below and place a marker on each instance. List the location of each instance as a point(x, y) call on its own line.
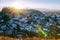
point(27, 38)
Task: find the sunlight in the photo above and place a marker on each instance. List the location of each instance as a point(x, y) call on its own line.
point(41, 30)
point(17, 5)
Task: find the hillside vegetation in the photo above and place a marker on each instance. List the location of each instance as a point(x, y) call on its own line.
point(28, 23)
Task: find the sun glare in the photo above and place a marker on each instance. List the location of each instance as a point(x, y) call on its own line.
point(17, 5)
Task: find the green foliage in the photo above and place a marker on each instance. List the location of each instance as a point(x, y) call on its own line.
point(41, 31)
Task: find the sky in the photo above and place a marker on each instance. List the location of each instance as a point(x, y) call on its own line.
point(49, 4)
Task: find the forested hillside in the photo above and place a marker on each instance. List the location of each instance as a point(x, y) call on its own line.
point(28, 23)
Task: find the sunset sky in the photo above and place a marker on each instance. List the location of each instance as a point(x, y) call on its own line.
point(49, 4)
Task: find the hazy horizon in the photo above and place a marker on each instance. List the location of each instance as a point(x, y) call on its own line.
point(48, 4)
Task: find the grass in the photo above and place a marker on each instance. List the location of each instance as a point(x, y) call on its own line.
point(27, 38)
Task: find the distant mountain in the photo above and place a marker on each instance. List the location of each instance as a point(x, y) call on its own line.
point(22, 11)
point(50, 11)
point(13, 11)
